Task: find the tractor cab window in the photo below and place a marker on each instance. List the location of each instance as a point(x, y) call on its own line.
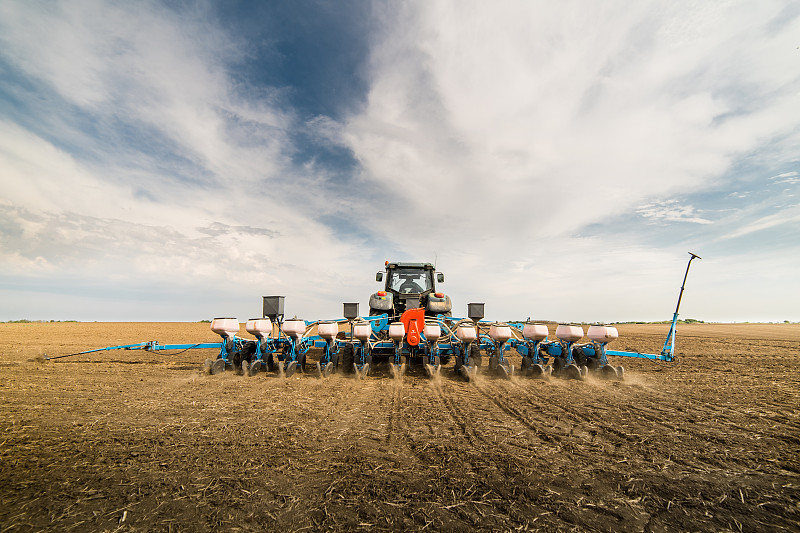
point(410, 281)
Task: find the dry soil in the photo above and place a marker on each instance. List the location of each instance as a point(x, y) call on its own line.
point(138, 441)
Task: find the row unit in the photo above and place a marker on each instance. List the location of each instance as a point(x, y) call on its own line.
point(466, 331)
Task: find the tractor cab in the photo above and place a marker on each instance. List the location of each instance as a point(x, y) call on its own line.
point(404, 280)
point(409, 286)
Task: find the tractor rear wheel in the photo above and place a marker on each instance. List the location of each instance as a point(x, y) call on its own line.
point(348, 358)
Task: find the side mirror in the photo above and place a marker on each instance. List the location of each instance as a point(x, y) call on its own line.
point(379, 277)
point(439, 277)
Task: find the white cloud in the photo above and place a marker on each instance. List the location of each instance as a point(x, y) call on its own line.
point(671, 211)
point(151, 68)
point(789, 178)
point(532, 118)
point(501, 129)
point(232, 220)
point(784, 216)
point(491, 135)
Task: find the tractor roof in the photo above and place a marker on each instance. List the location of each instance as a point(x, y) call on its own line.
point(409, 265)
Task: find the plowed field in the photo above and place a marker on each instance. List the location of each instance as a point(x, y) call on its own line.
point(137, 441)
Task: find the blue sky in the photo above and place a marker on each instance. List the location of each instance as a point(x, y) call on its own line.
point(178, 160)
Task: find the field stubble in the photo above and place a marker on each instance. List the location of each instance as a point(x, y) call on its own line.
point(137, 441)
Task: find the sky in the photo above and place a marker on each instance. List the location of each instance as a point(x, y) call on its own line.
point(177, 161)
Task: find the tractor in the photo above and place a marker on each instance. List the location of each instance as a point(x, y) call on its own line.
point(409, 286)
